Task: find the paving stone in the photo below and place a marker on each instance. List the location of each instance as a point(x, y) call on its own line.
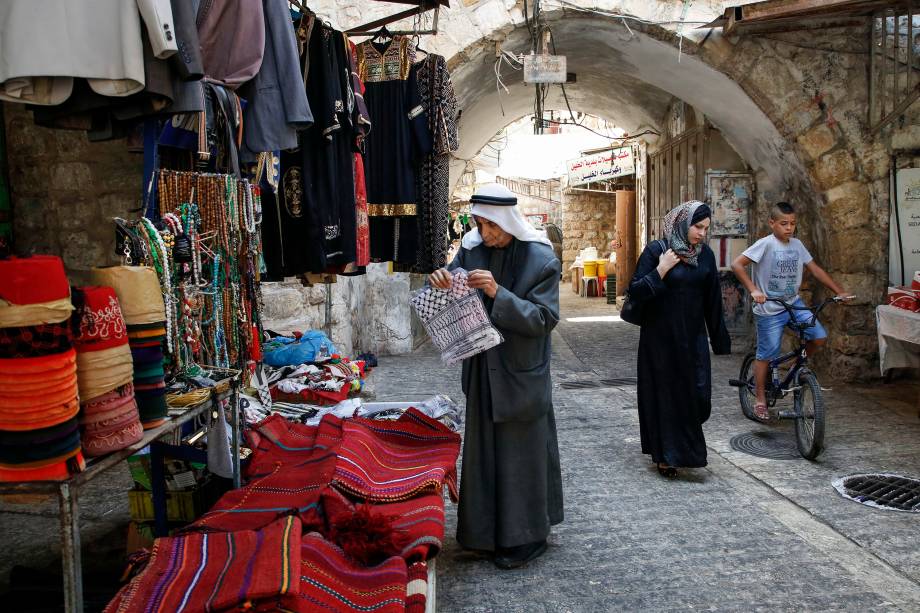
point(633, 541)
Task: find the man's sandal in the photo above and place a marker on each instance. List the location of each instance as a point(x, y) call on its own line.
point(761, 411)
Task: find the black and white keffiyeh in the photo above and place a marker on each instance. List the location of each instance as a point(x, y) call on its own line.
point(455, 319)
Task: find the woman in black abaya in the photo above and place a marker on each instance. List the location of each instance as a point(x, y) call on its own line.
point(677, 285)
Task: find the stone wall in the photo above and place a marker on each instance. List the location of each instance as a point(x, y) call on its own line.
point(65, 190)
point(369, 313)
point(813, 85)
point(588, 220)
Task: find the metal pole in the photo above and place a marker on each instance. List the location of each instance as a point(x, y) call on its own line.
point(70, 549)
point(873, 36)
point(328, 323)
point(235, 427)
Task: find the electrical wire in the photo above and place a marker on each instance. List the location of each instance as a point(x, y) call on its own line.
point(625, 16)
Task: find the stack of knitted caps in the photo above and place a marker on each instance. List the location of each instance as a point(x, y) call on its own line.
point(39, 433)
point(105, 371)
point(141, 300)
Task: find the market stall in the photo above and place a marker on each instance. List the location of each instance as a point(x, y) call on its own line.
point(259, 163)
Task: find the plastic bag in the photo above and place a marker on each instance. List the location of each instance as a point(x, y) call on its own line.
point(313, 346)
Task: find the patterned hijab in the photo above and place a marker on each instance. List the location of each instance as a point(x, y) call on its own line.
point(677, 228)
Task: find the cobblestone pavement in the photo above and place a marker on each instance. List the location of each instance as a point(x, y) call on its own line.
point(743, 534)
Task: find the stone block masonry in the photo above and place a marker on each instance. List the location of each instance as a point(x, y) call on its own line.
point(65, 190)
point(588, 220)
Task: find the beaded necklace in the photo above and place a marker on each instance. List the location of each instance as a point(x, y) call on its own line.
point(165, 274)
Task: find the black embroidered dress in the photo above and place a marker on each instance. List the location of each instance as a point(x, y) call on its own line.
point(440, 102)
point(312, 225)
point(399, 138)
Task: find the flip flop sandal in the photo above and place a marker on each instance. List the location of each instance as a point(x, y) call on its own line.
point(761, 411)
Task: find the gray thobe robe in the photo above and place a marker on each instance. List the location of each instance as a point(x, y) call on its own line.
point(511, 482)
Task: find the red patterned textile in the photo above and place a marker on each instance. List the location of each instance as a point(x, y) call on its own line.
point(288, 476)
point(417, 588)
point(102, 326)
point(276, 440)
point(216, 572)
point(363, 223)
point(389, 461)
point(418, 522)
point(318, 397)
point(33, 280)
point(331, 582)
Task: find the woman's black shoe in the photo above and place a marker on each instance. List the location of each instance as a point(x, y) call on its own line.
point(667, 471)
point(516, 557)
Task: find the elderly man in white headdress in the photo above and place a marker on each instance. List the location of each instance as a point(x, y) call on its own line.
point(511, 487)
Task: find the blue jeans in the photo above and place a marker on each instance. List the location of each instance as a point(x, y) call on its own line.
point(770, 330)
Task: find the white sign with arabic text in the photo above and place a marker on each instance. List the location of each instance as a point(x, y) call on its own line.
point(602, 166)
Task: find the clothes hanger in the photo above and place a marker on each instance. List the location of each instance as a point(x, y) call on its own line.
point(382, 33)
point(417, 41)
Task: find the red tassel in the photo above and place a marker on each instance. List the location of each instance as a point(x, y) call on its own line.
point(368, 538)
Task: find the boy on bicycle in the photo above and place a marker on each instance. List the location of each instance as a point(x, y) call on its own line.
point(779, 259)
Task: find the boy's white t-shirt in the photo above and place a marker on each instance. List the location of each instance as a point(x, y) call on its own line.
point(778, 270)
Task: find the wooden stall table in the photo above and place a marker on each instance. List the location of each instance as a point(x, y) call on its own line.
point(68, 491)
point(577, 273)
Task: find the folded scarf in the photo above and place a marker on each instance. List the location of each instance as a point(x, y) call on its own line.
point(216, 572)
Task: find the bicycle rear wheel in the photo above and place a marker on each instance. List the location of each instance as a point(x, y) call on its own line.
point(746, 392)
point(809, 422)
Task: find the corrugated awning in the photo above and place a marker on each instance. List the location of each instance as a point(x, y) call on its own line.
point(773, 15)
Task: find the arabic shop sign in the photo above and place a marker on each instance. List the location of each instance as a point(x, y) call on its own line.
point(602, 166)
point(907, 219)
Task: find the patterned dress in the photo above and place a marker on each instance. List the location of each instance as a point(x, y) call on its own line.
point(437, 95)
point(399, 138)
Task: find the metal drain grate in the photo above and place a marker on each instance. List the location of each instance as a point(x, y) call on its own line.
point(882, 491)
point(766, 445)
point(593, 384)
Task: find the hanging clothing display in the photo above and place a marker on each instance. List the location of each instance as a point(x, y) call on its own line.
point(361, 124)
point(399, 139)
point(276, 91)
point(101, 45)
point(312, 218)
point(437, 95)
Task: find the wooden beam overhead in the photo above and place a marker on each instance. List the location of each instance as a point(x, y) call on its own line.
point(796, 14)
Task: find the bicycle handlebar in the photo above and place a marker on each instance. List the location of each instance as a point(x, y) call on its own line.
point(815, 309)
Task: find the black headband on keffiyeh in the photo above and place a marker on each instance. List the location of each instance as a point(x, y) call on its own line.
point(677, 228)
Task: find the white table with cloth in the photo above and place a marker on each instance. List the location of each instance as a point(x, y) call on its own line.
point(898, 338)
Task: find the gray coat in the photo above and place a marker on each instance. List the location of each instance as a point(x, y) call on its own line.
point(525, 311)
point(277, 98)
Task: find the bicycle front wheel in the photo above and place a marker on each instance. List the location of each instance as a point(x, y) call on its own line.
point(746, 392)
point(809, 421)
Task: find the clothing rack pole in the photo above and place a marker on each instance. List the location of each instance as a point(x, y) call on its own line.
point(370, 29)
point(328, 321)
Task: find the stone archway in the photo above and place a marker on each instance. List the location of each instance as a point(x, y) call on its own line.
point(627, 76)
